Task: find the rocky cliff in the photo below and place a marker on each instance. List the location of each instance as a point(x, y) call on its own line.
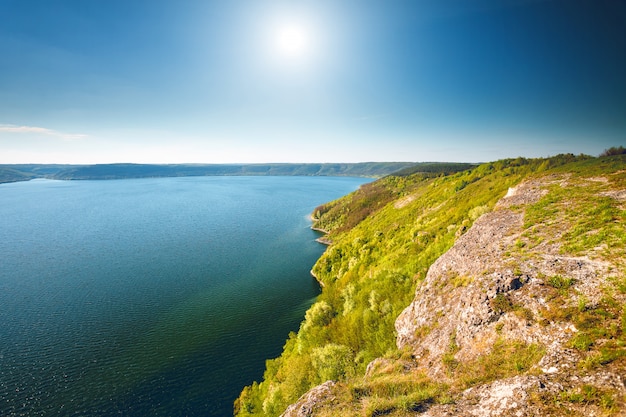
point(496, 291)
point(523, 316)
point(507, 282)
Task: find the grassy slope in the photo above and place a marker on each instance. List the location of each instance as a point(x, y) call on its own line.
point(385, 238)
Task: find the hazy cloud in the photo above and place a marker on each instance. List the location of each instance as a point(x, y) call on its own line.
point(40, 130)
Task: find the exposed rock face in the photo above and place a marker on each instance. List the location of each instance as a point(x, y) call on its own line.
point(311, 401)
point(458, 301)
point(523, 396)
point(467, 302)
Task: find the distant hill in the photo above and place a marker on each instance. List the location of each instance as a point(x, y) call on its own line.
point(24, 172)
point(8, 174)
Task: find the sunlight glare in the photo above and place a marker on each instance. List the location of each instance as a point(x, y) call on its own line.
point(292, 41)
point(294, 44)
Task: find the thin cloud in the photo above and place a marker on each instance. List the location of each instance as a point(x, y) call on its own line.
point(41, 131)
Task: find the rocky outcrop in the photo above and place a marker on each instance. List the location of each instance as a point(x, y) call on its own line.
point(526, 396)
point(490, 286)
point(456, 300)
point(308, 404)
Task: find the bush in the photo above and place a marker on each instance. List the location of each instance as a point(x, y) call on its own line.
point(333, 362)
point(501, 304)
point(614, 151)
point(560, 283)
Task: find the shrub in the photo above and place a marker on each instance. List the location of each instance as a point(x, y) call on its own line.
point(333, 362)
point(320, 314)
point(620, 150)
point(560, 283)
point(501, 304)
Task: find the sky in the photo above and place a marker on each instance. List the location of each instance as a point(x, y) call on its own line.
point(245, 81)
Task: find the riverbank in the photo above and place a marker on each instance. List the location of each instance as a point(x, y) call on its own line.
point(322, 239)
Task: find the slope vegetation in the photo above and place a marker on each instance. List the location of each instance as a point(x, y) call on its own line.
point(498, 290)
point(24, 172)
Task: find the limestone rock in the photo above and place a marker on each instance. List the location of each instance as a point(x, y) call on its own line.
point(311, 401)
point(469, 293)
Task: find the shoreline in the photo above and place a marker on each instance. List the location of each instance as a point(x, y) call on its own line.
point(322, 240)
point(316, 278)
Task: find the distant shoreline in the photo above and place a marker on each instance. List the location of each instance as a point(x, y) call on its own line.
point(322, 240)
point(26, 172)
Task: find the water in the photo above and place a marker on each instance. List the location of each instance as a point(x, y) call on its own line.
point(151, 296)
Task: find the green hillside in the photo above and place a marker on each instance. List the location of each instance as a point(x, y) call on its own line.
point(10, 174)
point(116, 171)
point(385, 237)
point(24, 172)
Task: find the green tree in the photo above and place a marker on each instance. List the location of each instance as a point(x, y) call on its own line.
point(333, 362)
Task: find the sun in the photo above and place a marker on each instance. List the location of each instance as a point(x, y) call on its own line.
point(294, 45)
point(292, 41)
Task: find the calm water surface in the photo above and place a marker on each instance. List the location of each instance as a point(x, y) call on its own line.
point(151, 296)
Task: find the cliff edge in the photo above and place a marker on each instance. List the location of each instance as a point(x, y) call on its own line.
point(512, 286)
point(518, 275)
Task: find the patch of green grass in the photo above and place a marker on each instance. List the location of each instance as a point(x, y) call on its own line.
point(524, 313)
point(501, 304)
point(560, 283)
point(499, 327)
point(461, 281)
point(589, 394)
point(392, 393)
point(581, 341)
point(448, 358)
point(507, 358)
point(619, 283)
point(423, 331)
point(602, 333)
point(603, 356)
point(598, 222)
point(413, 402)
point(580, 213)
point(543, 211)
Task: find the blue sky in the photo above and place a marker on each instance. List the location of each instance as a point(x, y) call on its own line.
point(155, 81)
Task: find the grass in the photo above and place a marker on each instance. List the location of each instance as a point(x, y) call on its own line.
point(589, 394)
point(582, 341)
point(501, 304)
point(398, 393)
point(507, 358)
point(560, 283)
point(460, 281)
point(601, 336)
point(448, 358)
point(581, 213)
